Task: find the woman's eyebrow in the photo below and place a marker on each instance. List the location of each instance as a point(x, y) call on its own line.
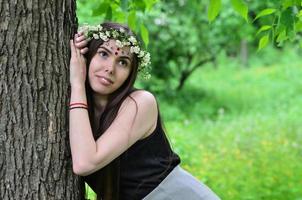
point(110, 52)
point(126, 57)
point(105, 49)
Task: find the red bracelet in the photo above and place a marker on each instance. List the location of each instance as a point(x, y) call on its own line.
point(77, 104)
point(82, 107)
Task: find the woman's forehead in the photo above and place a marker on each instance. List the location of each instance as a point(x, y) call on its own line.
point(112, 46)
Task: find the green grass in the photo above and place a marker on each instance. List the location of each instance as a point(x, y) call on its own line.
point(240, 130)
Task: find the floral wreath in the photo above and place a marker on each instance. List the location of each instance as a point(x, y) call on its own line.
point(122, 39)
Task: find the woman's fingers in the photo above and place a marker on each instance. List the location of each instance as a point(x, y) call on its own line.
point(84, 50)
point(81, 44)
point(75, 52)
point(80, 33)
point(80, 38)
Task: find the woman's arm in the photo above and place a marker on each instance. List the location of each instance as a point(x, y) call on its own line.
point(135, 120)
point(80, 134)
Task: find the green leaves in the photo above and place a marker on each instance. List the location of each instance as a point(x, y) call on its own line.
point(213, 9)
point(263, 42)
point(240, 7)
point(289, 3)
point(132, 20)
point(144, 34)
point(265, 12)
point(123, 11)
point(264, 28)
point(101, 9)
point(150, 3)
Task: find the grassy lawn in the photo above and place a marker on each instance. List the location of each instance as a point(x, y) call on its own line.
point(239, 130)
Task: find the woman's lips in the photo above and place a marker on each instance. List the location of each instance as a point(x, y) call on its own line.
point(104, 80)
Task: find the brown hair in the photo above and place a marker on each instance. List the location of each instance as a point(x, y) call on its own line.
point(105, 182)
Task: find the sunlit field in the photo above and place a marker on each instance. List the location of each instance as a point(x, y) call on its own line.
point(239, 129)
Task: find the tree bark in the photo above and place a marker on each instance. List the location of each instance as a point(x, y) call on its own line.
point(244, 53)
point(186, 73)
point(34, 151)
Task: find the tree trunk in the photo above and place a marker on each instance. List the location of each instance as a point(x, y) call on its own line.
point(35, 158)
point(185, 74)
point(244, 53)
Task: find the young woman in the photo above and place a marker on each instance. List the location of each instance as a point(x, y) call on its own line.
point(117, 141)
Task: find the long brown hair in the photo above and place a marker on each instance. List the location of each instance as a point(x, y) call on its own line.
point(105, 182)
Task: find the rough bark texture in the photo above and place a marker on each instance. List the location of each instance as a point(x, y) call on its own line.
point(34, 56)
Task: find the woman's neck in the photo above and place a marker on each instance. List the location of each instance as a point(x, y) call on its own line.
point(99, 102)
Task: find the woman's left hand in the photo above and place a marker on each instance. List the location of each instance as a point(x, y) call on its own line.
point(81, 42)
point(77, 67)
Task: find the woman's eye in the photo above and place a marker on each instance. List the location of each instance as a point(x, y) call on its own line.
point(103, 54)
point(123, 63)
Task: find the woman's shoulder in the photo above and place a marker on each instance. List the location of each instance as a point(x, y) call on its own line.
point(142, 100)
point(143, 104)
point(143, 95)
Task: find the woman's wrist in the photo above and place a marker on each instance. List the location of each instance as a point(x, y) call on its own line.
point(77, 87)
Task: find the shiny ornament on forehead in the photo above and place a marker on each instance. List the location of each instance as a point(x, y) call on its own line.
point(116, 52)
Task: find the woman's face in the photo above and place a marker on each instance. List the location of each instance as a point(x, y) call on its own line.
point(109, 68)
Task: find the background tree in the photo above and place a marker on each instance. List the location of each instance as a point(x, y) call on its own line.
point(35, 159)
point(187, 41)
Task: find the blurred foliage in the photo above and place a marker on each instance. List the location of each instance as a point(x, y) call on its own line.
point(187, 34)
point(123, 11)
point(237, 128)
point(281, 19)
point(184, 40)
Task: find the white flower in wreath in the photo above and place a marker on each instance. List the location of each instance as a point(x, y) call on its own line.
point(96, 36)
point(141, 54)
point(126, 43)
point(119, 43)
point(146, 57)
point(103, 37)
point(132, 40)
point(93, 28)
point(84, 29)
point(122, 30)
point(107, 33)
point(99, 27)
point(115, 34)
point(134, 49)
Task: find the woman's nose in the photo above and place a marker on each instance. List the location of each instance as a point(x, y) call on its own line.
point(109, 67)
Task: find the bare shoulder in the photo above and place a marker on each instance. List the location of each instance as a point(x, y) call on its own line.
point(143, 102)
point(144, 97)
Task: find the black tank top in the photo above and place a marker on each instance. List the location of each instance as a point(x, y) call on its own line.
point(145, 164)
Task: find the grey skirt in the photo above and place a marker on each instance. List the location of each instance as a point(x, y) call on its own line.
point(180, 185)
